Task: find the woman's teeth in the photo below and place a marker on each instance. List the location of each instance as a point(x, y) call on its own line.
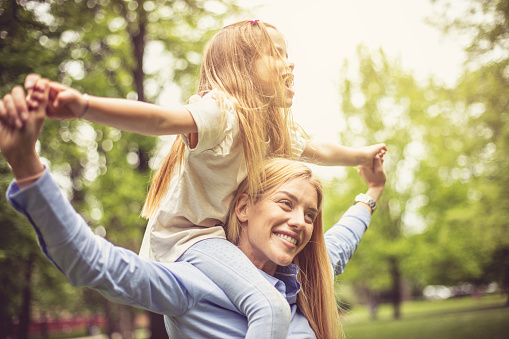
point(287, 238)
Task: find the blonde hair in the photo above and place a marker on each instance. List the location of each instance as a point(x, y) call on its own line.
point(316, 300)
point(228, 66)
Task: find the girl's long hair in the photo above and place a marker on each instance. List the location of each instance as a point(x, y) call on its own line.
point(316, 300)
point(265, 128)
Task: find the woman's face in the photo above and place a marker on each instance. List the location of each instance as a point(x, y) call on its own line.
point(279, 225)
point(267, 67)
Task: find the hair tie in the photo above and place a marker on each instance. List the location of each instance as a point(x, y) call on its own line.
point(254, 20)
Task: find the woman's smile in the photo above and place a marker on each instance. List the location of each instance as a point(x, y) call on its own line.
point(287, 238)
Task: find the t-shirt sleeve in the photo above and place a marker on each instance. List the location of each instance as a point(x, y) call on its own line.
point(298, 143)
point(212, 122)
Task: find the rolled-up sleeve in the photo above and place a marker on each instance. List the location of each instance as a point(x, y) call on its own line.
point(209, 117)
point(343, 238)
point(89, 260)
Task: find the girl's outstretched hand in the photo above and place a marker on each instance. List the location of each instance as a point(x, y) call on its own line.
point(64, 102)
point(369, 153)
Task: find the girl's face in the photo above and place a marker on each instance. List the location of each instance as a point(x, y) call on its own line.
point(276, 75)
point(278, 226)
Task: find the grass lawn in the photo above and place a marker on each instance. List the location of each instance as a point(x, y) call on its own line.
point(485, 318)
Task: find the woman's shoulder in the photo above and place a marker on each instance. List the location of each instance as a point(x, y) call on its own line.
point(192, 280)
point(199, 289)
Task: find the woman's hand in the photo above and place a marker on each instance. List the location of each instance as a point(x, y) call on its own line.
point(374, 177)
point(18, 143)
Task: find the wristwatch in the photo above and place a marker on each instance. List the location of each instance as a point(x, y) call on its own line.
point(367, 200)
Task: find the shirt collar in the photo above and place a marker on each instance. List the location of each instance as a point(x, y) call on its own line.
point(285, 281)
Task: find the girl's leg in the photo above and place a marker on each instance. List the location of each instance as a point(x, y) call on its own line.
point(267, 311)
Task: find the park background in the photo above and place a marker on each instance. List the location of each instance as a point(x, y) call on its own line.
point(428, 78)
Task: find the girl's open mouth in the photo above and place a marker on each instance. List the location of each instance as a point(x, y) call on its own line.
point(288, 79)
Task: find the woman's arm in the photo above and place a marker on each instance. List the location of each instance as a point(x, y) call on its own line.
point(89, 260)
point(329, 154)
point(85, 259)
point(128, 115)
point(343, 238)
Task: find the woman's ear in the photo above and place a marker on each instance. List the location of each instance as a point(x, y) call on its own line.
point(241, 207)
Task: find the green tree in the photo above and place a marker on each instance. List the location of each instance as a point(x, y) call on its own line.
point(383, 103)
point(483, 93)
point(443, 217)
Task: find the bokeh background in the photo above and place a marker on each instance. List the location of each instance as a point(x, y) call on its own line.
point(428, 78)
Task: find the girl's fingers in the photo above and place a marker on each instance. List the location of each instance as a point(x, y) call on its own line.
point(41, 90)
point(31, 80)
point(38, 93)
point(56, 86)
point(63, 98)
point(59, 94)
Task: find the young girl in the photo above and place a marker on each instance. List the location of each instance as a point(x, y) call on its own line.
point(240, 116)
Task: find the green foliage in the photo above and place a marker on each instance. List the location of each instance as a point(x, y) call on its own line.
point(20, 49)
point(383, 104)
point(443, 216)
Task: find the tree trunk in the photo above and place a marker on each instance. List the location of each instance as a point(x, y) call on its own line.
point(138, 39)
point(44, 325)
point(505, 284)
point(396, 286)
point(24, 318)
point(157, 328)
point(5, 320)
point(111, 311)
point(126, 321)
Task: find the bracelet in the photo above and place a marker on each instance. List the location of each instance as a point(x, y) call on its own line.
point(367, 200)
point(87, 98)
point(30, 178)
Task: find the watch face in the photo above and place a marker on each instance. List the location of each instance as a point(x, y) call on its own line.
point(366, 199)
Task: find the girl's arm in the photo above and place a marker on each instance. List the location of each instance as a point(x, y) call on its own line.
point(329, 154)
point(129, 115)
point(133, 116)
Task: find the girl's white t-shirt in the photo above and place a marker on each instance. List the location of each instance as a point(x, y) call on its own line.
point(197, 201)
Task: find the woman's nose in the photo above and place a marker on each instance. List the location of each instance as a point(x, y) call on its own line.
point(297, 219)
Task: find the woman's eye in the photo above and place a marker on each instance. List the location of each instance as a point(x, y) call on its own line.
point(310, 217)
point(286, 203)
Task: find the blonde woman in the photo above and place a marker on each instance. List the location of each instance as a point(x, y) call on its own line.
point(240, 116)
point(278, 228)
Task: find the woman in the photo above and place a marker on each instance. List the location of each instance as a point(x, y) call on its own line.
point(276, 228)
